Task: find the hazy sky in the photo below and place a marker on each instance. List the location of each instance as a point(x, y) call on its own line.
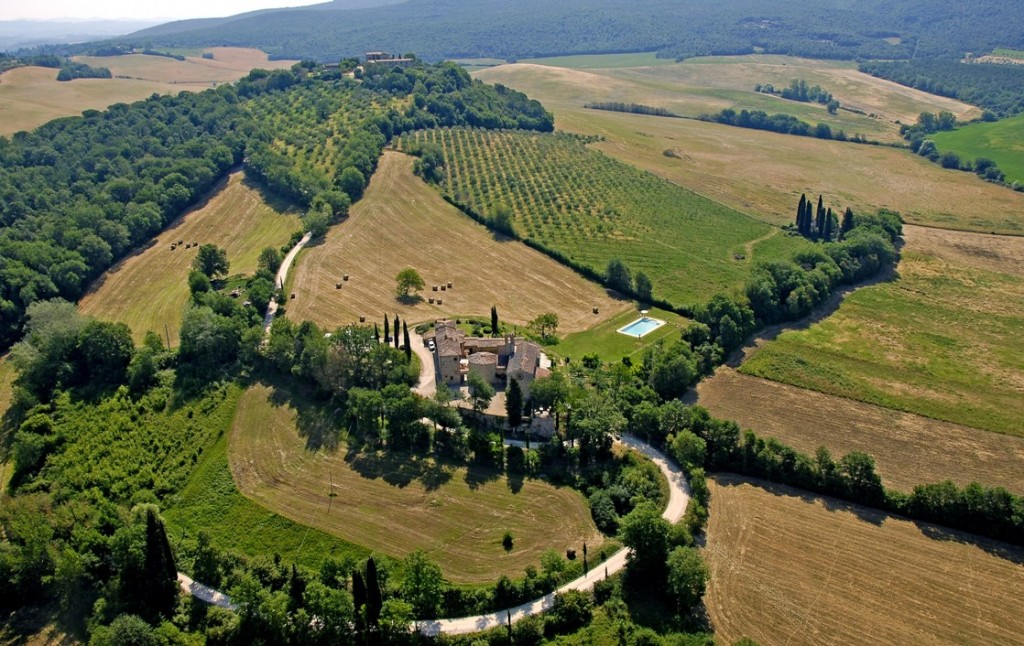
point(108, 9)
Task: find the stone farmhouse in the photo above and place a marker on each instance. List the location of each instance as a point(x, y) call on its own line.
point(385, 59)
point(496, 360)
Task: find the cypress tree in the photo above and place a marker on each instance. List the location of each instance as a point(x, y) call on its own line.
point(405, 339)
point(376, 332)
point(514, 403)
point(494, 321)
point(387, 329)
point(374, 600)
point(396, 331)
point(847, 221)
point(827, 230)
point(808, 219)
point(296, 589)
point(800, 213)
point(358, 596)
point(820, 223)
point(159, 571)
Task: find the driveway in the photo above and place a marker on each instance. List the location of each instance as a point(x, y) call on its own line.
point(427, 385)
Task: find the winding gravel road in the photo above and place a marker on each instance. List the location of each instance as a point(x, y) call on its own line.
point(282, 276)
point(679, 497)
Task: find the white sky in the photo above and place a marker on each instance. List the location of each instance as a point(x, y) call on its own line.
point(135, 9)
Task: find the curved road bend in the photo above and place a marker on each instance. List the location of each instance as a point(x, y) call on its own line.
point(282, 275)
point(679, 497)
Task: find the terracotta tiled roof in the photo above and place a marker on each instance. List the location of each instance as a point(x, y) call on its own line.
point(526, 359)
point(483, 358)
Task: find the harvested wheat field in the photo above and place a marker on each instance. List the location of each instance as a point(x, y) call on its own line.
point(31, 96)
point(402, 222)
point(397, 504)
point(149, 288)
point(763, 173)
point(791, 568)
point(908, 449)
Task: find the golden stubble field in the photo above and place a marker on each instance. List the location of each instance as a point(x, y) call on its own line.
point(31, 96)
point(402, 222)
point(149, 289)
point(764, 173)
point(791, 568)
point(909, 449)
point(397, 504)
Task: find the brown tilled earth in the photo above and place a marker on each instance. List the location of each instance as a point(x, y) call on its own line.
point(791, 568)
point(402, 222)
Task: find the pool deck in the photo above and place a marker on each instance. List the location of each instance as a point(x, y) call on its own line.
point(648, 321)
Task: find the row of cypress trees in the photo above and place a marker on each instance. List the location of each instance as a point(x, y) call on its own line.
point(821, 223)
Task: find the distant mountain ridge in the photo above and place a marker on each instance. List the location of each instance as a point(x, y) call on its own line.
point(15, 34)
point(437, 29)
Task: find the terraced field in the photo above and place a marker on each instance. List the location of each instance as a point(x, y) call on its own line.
point(401, 222)
point(148, 290)
point(791, 568)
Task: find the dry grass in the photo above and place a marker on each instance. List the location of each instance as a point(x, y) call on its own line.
point(908, 449)
point(402, 222)
point(764, 173)
point(228, 64)
point(399, 504)
point(31, 96)
point(149, 289)
point(790, 568)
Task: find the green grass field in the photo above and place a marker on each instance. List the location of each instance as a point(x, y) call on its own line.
point(148, 290)
point(1009, 53)
point(943, 341)
point(211, 502)
point(592, 208)
point(608, 344)
point(1001, 141)
point(395, 504)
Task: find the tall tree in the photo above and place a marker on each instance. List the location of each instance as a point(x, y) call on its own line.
point(687, 577)
point(618, 276)
point(374, 599)
point(406, 281)
point(514, 403)
point(405, 339)
point(494, 321)
point(423, 585)
point(847, 221)
point(387, 329)
point(376, 332)
point(211, 260)
point(809, 219)
point(826, 232)
point(359, 597)
point(480, 392)
point(820, 222)
point(395, 328)
point(644, 289)
point(800, 213)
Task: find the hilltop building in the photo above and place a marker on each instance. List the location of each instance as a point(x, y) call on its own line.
point(386, 60)
point(496, 360)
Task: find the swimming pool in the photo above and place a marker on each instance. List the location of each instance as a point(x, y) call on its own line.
point(641, 327)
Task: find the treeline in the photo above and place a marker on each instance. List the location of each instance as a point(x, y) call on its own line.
point(525, 28)
point(632, 108)
point(919, 143)
point(440, 95)
point(990, 512)
point(998, 89)
point(798, 90)
point(70, 71)
point(782, 123)
point(78, 193)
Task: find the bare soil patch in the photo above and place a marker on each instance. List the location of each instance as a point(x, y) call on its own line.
point(402, 222)
point(791, 568)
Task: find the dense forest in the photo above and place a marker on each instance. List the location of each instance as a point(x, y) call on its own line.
point(439, 29)
point(997, 88)
point(78, 193)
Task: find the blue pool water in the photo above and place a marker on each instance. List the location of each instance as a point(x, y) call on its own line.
point(641, 327)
